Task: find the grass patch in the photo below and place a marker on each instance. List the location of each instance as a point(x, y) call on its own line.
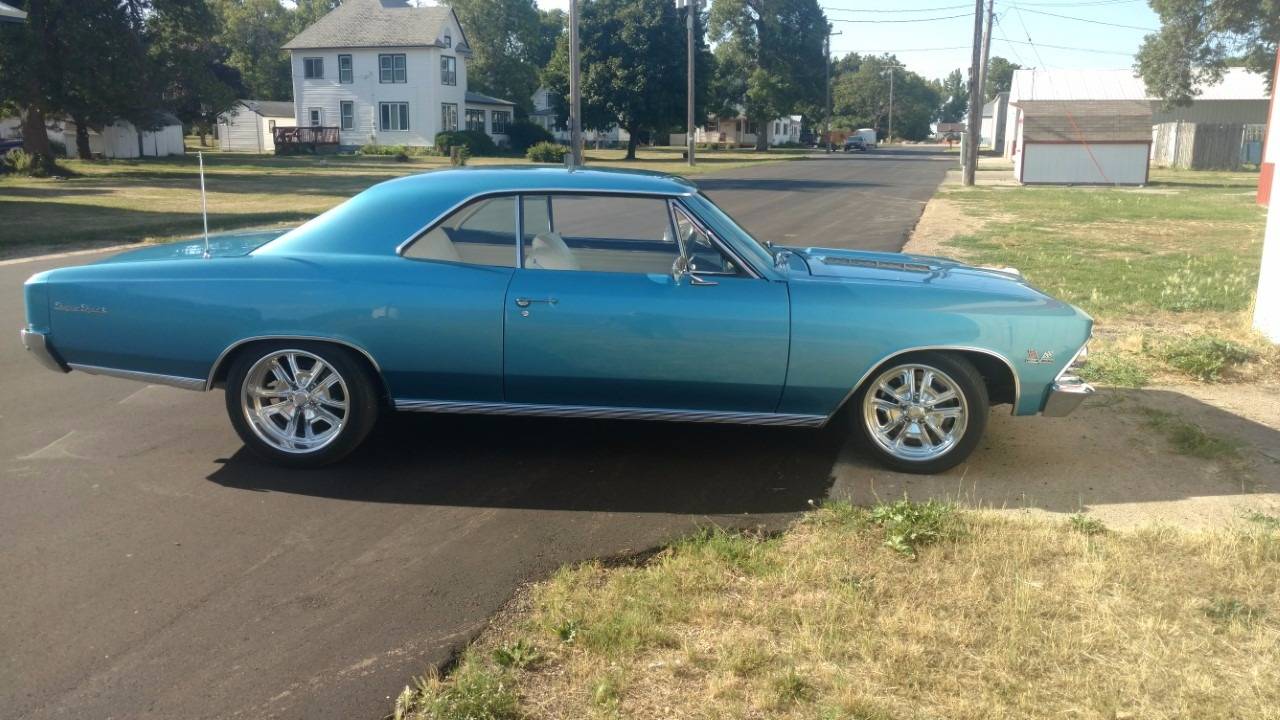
point(1187, 438)
point(995, 618)
point(158, 199)
point(909, 526)
point(474, 692)
point(1115, 369)
point(1204, 357)
point(1086, 525)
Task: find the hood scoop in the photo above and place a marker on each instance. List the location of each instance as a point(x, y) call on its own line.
point(874, 264)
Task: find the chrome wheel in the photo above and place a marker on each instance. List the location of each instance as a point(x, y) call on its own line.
point(295, 401)
point(915, 412)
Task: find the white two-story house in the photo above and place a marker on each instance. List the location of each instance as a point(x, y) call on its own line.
point(386, 72)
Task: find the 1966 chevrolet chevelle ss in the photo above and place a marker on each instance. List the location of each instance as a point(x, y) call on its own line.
point(546, 291)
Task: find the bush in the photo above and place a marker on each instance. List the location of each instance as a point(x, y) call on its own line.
point(1205, 357)
point(524, 135)
point(477, 143)
point(394, 150)
point(19, 161)
point(547, 152)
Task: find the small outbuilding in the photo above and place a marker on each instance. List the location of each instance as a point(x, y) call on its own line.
point(249, 125)
point(1094, 142)
point(122, 139)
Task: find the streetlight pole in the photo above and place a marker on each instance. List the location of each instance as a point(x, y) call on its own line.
point(889, 140)
point(691, 7)
point(575, 88)
point(828, 85)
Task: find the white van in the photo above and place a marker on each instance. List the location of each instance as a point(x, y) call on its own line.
point(868, 136)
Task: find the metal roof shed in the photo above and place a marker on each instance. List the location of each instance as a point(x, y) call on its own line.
point(1091, 142)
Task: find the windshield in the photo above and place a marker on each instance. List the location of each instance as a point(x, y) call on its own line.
point(730, 230)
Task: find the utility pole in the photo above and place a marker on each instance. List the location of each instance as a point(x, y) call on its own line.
point(986, 51)
point(975, 109)
point(575, 88)
point(827, 51)
point(691, 8)
point(889, 140)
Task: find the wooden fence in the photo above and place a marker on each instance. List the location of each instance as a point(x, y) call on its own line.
point(1203, 146)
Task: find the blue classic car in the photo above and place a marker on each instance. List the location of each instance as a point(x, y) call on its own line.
point(547, 291)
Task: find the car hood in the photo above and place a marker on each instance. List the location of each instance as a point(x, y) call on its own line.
point(902, 267)
point(228, 244)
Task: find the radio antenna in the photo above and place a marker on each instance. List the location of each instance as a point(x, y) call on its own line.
point(204, 206)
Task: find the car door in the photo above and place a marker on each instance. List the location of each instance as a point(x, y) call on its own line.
point(596, 317)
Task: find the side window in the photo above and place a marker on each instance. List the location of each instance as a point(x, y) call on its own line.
point(478, 233)
point(598, 233)
point(704, 257)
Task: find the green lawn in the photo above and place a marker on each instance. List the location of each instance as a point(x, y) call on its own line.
point(1168, 270)
point(120, 201)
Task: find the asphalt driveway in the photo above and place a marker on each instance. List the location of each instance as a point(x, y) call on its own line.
point(153, 569)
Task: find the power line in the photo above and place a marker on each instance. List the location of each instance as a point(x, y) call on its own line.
point(1067, 47)
point(912, 20)
point(1086, 20)
point(1079, 4)
point(897, 10)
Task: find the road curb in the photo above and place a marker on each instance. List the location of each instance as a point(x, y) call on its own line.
point(69, 253)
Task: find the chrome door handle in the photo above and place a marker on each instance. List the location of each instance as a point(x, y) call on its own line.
point(526, 302)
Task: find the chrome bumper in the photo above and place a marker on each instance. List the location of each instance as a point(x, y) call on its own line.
point(35, 343)
point(1065, 395)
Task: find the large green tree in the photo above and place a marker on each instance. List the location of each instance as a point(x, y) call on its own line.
point(999, 76)
point(771, 57)
point(507, 40)
point(1198, 39)
point(861, 99)
point(189, 75)
point(253, 31)
point(955, 93)
point(632, 55)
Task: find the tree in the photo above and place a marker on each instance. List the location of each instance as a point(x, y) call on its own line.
point(861, 99)
point(999, 76)
point(956, 93)
point(188, 71)
point(632, 55)
point(777, 48)
point(505, 38)
point(1198, 39)
point(253, 31)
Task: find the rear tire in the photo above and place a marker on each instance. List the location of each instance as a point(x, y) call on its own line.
point(921, 413)
point(300, 404)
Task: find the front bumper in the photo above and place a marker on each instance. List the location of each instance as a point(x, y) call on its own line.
point(1065, 395)
point(38, 346)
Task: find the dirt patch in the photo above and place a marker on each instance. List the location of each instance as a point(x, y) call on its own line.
point(941, 221)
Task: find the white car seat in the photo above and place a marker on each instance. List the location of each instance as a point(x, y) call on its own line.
point(549, 252)
point(435, 245)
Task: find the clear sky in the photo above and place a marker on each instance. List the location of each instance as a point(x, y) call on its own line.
point(928, 38)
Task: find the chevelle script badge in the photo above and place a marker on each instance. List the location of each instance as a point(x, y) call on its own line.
point(81, 308)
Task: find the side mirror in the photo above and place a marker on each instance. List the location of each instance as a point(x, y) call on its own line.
point(683, 267)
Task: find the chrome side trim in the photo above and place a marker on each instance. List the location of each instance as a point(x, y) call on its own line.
point(612, 413)
point(213, 370)
point(38, 346)
point(525, 191)
point(185, 383)
point(1017, 382)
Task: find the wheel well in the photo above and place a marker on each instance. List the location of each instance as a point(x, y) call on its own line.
point(219, 374)
point(996, 374)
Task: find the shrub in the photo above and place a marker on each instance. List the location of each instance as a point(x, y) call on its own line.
point(19, 161)
point(477, 143)
point(547, 152)
point(1205, 357)
point(524, 135)
point(910, 525)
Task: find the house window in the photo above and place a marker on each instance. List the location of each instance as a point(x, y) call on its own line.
point(271, 125)
point(313, 68)
point(316, 116)
point(448, 70)
point(448, 39)
point(347, 110)
point(344, 69)
point(475, 119)
point(394, 115)
point(392, 68)
point(448, 117)
point(501, 119)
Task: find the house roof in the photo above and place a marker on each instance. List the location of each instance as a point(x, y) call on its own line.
point(948, 127)
point(9, 13)
point(1031, 84)
point(476, 98)
point(1127, 121)
point(379, 23)
point(269, 108)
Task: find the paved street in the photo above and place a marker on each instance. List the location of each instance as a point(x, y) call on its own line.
point(153, 569)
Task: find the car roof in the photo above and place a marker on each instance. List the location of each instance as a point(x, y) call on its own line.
point(469, 181)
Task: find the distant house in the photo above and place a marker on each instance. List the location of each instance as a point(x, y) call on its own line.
point(249, 125)
point(743, 131)
point(544, 114)
point(11, 14)
point(994, 113)
point(490, 115)
point(386, 72)
point(1082, 142)
point(122, 139)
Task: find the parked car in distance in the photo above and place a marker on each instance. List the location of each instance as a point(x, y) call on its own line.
point(558, 292)
point(855, 142)
point(868, 136)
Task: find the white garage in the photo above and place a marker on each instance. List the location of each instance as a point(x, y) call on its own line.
point(122, 139)
point(1095, 142)
point(249, 126)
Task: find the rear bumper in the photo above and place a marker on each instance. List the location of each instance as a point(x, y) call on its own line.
point(1065, 395)
point(37, 344)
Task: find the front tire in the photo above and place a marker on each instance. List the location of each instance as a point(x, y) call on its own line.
point(300, 404)
point(922, 413)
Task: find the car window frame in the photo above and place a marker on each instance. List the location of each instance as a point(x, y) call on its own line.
point(752, 271)
point(674, 206)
